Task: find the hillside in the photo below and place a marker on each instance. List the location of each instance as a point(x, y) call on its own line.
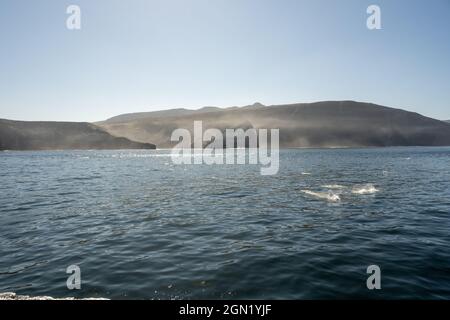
point(24, 135)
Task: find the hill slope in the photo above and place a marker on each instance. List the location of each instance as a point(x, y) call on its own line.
point(24, 135)
point(321, 124)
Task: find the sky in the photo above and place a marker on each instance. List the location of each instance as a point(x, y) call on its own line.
point(144, 55)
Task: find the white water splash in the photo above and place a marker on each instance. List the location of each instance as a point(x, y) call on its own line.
point(330, 196)
point(365, 189)
point(333, 186)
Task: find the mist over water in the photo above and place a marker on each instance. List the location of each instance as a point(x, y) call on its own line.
point(142, 227)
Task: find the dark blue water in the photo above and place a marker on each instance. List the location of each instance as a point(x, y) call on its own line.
point(141, 227)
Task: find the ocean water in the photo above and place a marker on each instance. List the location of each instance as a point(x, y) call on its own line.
point(140, 227)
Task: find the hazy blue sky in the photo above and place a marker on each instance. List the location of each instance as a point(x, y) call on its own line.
point(142, 55)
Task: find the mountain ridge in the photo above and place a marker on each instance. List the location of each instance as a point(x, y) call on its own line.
point(345, 123)
point(171, 112)
point(322, 124)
